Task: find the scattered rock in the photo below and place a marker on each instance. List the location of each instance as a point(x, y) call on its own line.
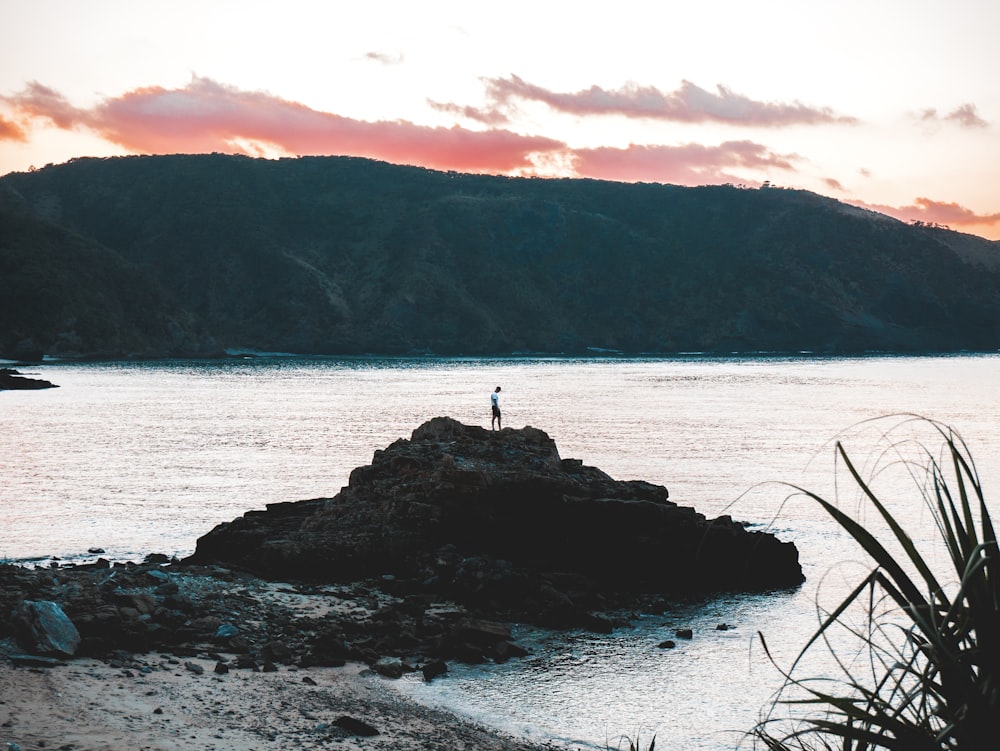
point(160, 576)
point(275, 650)
point(433, 669)
point(505, 650)
point(668, 644)
point(355, 727)
point(194, 667)
point(246, 662)
point(390, 667)
point(597, 623)
point(684, 633)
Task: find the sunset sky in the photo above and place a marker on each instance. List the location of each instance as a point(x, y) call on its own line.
point(889, 104)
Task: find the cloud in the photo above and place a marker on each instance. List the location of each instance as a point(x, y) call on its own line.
point(964, 115)
point(11, 131)
point(935, 212)
point(688, 104)
point(690, 164)
point(487, 116)
point(206, 116)
point(833, 184)
point(41, 102)
point(385, 58)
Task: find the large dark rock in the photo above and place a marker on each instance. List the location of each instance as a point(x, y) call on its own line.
point(500, 518)
point(43, 628)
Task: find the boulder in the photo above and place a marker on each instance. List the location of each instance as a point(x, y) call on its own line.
point(390, 667)
point(44, 629)
point(355, 726)
point(433, 669)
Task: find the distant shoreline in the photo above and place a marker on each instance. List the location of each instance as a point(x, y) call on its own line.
point(598, 355)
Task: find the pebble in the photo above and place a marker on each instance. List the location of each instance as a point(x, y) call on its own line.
point(194, 667)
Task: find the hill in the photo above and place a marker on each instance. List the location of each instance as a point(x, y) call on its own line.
point(171, 255)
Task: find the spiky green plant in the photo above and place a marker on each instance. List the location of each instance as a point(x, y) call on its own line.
point(635, 745)
point(929, 677)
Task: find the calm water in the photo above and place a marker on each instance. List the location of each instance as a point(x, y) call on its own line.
point(138, 458)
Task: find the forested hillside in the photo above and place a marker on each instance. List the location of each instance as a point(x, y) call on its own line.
point(192, 255)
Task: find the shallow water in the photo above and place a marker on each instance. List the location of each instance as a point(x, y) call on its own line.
point(146, 457)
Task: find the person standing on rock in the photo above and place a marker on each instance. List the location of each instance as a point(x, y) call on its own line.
point(495, 402)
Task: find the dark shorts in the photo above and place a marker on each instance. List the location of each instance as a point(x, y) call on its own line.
point(496, 411)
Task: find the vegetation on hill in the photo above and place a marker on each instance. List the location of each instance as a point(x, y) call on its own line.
point(63, 293)
point(333, 255)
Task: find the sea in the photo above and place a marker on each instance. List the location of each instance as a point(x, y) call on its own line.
point(132, 458)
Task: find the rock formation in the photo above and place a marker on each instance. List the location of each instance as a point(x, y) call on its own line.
point(429, 554)
point(12, 379)
point(498, 519)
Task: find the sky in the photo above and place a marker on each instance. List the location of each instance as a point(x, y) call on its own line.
point(893, 105)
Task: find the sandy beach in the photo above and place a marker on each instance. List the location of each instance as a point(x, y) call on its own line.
point(159, 702)
point(205, 697)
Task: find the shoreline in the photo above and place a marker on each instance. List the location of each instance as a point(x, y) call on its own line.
point(268, 686)
point(157, 702)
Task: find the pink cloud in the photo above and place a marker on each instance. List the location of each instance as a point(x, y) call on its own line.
point(485, 115)
point(833, 184)
point(935, 212)
point(965, 116)
point(41, 102)
point(689, 103)
point(206, 116)
point(11, 131)
point(690, 164)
